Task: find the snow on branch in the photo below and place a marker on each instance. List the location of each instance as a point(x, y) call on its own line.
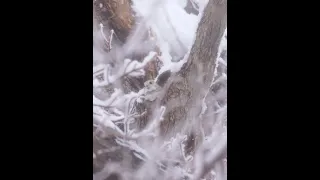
point(108, 102)
point(130, 68)
point(153, 127)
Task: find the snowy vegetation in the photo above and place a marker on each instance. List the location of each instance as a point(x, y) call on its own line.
point(145, 152)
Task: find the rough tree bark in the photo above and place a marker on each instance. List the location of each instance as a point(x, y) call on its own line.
point(188, 88)
point(117, 14)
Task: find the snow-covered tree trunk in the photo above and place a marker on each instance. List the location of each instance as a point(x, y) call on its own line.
point(189, 87)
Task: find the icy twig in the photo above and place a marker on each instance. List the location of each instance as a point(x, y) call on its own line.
point(133, 68)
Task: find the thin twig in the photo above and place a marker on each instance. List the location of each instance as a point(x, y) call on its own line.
point(112, 32)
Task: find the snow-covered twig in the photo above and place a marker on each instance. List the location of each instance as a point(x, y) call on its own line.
point(109, 101)
point(111, 36)
point(133, 68)
point(208, 156)
point(108, 42)
point(152, 128)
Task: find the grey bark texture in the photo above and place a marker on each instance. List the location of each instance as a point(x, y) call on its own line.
point(188, 88)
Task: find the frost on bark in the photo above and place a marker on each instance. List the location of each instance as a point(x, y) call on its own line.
point(183, 94)
point(188, 88)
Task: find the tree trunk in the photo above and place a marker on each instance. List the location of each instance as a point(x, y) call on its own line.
point(187, 90)
point(117, 14)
